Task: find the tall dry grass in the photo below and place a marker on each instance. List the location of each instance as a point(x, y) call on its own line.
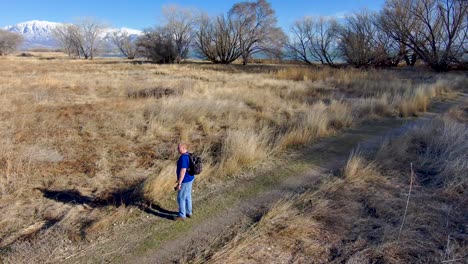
point(283, 235)
point(356, 217)
point(438, 150)
point(95, 128)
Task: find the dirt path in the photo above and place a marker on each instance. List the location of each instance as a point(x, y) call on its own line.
point(218, 216)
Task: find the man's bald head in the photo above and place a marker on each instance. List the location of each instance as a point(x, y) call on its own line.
point(182, 148)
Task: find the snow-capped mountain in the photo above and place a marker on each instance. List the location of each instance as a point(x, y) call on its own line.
point(39, 34)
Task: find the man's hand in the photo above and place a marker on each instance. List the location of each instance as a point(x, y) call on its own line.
point(180, 179)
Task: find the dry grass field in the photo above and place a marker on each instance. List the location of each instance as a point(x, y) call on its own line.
point(100, 136)
point(357, 216)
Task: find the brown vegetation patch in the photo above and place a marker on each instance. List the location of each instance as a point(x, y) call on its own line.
point(157, 92)
point(459, 113)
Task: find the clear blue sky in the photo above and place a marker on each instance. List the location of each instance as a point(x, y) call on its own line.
point(139, 14)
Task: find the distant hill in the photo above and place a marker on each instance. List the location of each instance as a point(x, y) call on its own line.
point(39, 34)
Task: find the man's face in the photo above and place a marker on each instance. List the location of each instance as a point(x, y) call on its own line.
point(180, 148)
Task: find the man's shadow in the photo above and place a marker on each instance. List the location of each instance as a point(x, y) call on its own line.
point(159, 211)
point(126, 197)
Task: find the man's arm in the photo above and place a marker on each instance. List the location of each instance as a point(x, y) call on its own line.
point(182, 175)
point(181, 178)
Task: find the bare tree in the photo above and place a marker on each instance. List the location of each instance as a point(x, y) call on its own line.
point(324, 43)
point(125, 43)
point(258, 33)
point(435, 30)
point(314, 39)
point(249, 28)
point(273, 44)
point(66, 36)
point(357, 39)
point(180, 23)
point(387, 51)
point(218, 39)
point(9, 41)
point(299, 44)
point(89, 30)
point(158, 45)
point(80, 39)
point(395, 31)
point(463, 59)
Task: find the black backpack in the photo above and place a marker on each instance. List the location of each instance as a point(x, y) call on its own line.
point(196, 165)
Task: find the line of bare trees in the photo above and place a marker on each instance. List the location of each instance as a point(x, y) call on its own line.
point(249, 28)
point(433, 31)
point(314, 40)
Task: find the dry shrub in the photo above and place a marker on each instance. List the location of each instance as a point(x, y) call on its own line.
point(373, 93)
point(294, 74)
point(340, 115)
point(414, 101)
point(156, 92)
point(305, 126)
point(459, 114)
point(48, 247)
point(313, 74)
point(444, 86)
point(156, 186)
point(371, 107)
point(242, 149)
point(438, 150)
point(318, 121)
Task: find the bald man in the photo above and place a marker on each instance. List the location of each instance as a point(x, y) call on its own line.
point(184, 183)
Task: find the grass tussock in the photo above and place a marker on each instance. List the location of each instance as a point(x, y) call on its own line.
point(243, 148)
point(277, 238)
point(460, 114)
point(438, 151)
point(77, 127)
point(357, 217)
point(358, 169)
point(156, 92)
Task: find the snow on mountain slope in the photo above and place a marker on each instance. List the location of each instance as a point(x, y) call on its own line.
point(36, 33)
point(39, 34)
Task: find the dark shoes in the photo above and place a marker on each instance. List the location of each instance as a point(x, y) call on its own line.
point(178, 218)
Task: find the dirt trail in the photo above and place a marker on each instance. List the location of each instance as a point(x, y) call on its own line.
point(223, 212)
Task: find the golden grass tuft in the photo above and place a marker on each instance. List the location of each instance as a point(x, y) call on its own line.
point(306, 126)
point(358, 169)
point(156, 186)
point(242, 149)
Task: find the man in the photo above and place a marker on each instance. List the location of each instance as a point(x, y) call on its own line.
point(184, 183)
